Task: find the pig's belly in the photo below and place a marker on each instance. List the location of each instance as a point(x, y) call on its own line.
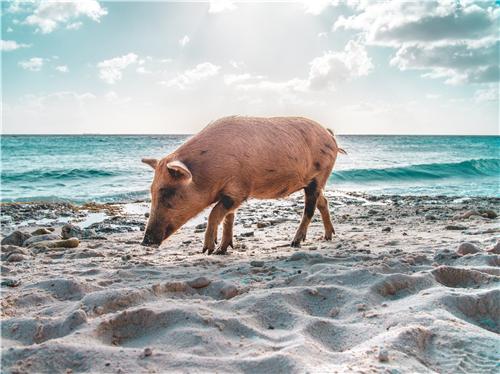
point(273, 187)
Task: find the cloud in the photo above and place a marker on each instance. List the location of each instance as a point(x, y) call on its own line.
point(62, 68)
point(200, 72)
point(33, 64)
point(219, 6)
point(452, 40)
point(111, 71)
point(47, 16)
point(11, 45)
point(325, 73)
point(184, 41)
point(487, 94)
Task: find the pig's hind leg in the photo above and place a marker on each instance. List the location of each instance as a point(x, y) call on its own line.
point(223, 208)
point(227, 234)
point(325, 216)
point(311, 197)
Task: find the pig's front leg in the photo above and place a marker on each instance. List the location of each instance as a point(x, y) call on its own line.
point(225, 206)
point(227, 235)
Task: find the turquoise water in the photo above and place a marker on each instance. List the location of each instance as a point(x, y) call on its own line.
point(107, 168)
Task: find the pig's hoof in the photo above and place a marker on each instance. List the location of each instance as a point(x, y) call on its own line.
point(295, 243)
point(328, 236)
point(222, 249)
point(208, 248)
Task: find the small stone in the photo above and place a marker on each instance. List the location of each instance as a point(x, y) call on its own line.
point(467, 248)
point(247, 234)
point(199, 282)
point(146, 215)
point(40, 238)
point(334, 312)
point(9, 282)
point(257, 264)
point(126, 257)
point(488, 213)
point(361, 307)
point(383, 355)
point(64, 243)
point(16, 257)
point(147, 352)
point(455, 227)
point(71, 231)
point(16, 238)
point(229, 291)
point(41, 231)
point(495, 249)
point(261, 225)
point(430, 217)
point(201, 226)
point(313, 248)
point(386, 229)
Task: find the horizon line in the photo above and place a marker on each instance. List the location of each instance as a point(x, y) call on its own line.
point(186, 134)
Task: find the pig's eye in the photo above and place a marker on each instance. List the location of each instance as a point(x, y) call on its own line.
point(166, 195)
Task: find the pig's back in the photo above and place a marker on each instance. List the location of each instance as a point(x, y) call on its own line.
point(272, 157)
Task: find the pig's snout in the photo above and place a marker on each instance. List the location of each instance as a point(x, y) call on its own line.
point(151, 240)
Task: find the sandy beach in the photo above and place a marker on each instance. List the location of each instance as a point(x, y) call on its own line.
point(396, 291)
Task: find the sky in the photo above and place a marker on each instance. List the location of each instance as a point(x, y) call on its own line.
point(356, 66)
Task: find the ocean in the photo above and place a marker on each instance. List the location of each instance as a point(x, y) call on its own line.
point(107, 168)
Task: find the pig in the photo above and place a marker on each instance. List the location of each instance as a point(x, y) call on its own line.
point(236, 158)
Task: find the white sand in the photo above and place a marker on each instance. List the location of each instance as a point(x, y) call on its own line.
point(369, 301)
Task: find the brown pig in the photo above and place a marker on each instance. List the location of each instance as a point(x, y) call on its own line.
point(236, 158)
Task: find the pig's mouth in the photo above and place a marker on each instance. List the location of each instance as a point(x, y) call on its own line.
point(151, 240)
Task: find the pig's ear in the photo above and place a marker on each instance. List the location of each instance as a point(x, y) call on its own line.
point(151, 162)
point(179, 171)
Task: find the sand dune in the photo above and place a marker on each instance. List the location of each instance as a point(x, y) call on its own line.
point(372, 300)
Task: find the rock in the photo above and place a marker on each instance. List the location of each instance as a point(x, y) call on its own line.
point(261, 225)
point(297, 256)
point(386, 229)
point(16, 257)
point(147, 352)
point(247, 234)
point(10, 249)
point(334, 312)
point(201, 226)
point(71, 231)
point(469, 214)
point(199, 282)
point(41, 231)
point(430, 217)
point(456, 227)
point(383, 355)
point(467, 248)
point(16, 238)
point(40, 238)
point(488, 213)
point(229, 291)
point(361, 307)
point(495, 249)
point(9, 282)
point(257, 264)
point(64, 243)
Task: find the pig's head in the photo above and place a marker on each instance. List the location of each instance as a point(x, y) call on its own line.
point(173, 199)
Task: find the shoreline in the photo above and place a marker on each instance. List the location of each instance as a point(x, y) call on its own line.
point(405, 282)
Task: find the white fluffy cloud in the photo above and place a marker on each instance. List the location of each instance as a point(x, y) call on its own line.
point(453, 40)
point(47, 16)
point(111, 71)
point(325, 73)
point(200, 72)
point(62, 68)
point(184, 41)
point(218, 6)
point(33, 64)
point(490, 93)
point(11, 45)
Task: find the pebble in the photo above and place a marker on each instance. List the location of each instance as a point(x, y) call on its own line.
point(147, 352)
point(383, 355)
point(257, 264)
point(495, 249)
point(247, 234)
point(430, 217)
point(386, 229)
point(199, 282)
point(16, 257)
point(16, 238)
point(467, 248)
point(261, 225)
point(455, 227)
point(64, 243)
point(71, 231)
point(488, 213)
point(41, 231)
point(9, 282)
point(361, 307)
point(229, 291)
point(40, 238)
point(334, 312)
